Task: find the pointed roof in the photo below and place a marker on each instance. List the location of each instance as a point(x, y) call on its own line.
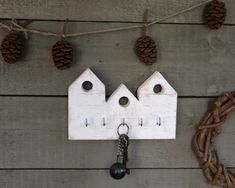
point(155, 79)
point(122, 91)
point(87, 75)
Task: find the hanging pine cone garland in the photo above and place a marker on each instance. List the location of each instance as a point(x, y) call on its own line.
point(11, 47)
point(62, 52)
point(146, 50)
point(214, 14)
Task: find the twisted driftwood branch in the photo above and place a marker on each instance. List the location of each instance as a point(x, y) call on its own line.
point(204, 142)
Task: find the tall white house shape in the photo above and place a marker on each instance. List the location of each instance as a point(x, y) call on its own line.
point(152, 115)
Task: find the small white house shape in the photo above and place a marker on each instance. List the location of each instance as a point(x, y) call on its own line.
point(152, 115)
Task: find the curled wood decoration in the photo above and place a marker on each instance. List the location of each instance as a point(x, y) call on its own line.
point(204, 142)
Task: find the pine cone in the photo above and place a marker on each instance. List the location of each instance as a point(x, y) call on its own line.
point(62, 52)
point(11, 47)
point(214, 14)
point(146, 50)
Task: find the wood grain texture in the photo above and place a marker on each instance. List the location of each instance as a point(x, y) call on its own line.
point(195, 60)
point(33, 134)
point(33, 130)
point(100, 178)
point(105, 10)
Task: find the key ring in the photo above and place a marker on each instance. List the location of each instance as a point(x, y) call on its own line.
point(118, 129)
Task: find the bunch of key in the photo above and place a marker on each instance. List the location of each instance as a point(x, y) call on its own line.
point(118, 170)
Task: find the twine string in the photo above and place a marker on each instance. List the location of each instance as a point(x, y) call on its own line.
point(53, 34)
point(178, 13)
point(14, 24)
point(145, 26)
point(64, 29)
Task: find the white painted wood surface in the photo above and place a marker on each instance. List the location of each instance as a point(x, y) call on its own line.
point(151, 116)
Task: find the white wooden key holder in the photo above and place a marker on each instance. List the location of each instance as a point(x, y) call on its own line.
point(152, 115)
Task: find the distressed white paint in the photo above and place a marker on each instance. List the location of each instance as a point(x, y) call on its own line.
point(91, 108)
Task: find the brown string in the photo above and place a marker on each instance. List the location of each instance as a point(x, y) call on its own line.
point(145, 26)
point(14, 24)
point(64, 29)
point(204, 141)
point(157, 20)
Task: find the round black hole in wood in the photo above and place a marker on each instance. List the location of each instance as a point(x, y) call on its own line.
point(157, 88)
point(123, 101)
point(87, 85)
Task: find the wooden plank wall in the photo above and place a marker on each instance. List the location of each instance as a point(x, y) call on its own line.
point(198, 62)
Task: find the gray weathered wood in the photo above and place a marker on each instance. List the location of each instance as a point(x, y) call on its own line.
point(106, 10)
point(33, 134)
point(195, 60)
point(33, 130)
point(177, 178)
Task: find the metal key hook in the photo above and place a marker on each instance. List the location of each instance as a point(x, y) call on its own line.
point(123, 125)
